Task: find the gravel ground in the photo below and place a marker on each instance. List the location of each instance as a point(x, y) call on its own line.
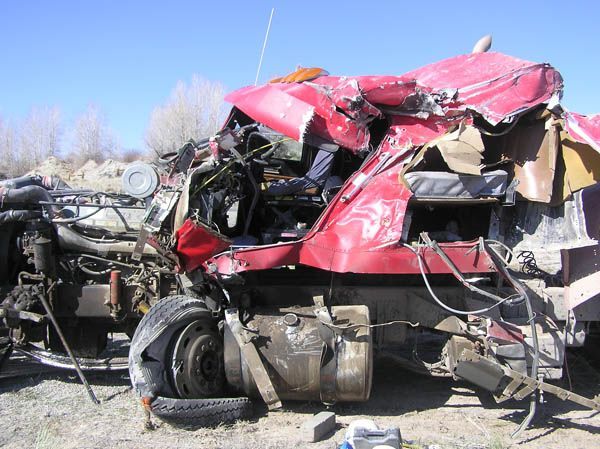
point(53, 411)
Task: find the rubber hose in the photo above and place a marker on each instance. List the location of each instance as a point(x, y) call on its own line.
point(18, 215)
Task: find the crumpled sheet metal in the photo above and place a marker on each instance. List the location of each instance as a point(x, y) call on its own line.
point(394, 259)
point(583, 129)
point(581, 167)
point(297, 109)
point(361, 235)
point(496, 86)
point(196, 243)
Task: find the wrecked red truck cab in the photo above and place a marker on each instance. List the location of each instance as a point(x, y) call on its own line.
point(444, 218)
point(431, 217)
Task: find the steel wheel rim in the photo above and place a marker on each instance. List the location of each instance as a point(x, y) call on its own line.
point(197, 362)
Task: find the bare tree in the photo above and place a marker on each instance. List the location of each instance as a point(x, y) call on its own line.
point(40, 135)
point(191, 112)
point(25, 145)
point(92, 138)
point(131, 155)
point(8, 150)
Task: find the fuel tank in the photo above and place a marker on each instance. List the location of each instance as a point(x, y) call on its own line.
point(307, 357)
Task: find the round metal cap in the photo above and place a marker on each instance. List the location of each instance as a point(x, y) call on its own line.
point(140, 180)
point(291, 319)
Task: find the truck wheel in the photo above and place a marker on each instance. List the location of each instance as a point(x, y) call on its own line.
point(176, 360)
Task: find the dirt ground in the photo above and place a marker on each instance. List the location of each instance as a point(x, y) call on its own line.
point(52, 410)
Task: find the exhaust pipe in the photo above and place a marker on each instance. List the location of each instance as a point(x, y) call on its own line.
point(72, 241)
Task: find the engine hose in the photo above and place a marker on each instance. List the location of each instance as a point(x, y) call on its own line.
point(77, 218)
point(48, 182)
point(26, 195)
point(18, 215)
point(90, 272)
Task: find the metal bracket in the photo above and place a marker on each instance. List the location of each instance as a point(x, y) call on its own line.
point(9, 313)
point(511, 193)
point(252, 357)
point(433, 245)
point(138, 250)
point(328, 371)
point(529, 385)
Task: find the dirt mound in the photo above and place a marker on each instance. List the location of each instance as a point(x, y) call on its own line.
point(54, 167)
point(104, 176)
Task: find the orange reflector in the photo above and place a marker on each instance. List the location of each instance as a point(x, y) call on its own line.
point(147, 402)
point(302, 74)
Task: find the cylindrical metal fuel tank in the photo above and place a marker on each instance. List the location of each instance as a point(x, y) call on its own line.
point(302, 360)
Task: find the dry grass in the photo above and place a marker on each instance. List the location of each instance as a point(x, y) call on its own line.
point(54, 411)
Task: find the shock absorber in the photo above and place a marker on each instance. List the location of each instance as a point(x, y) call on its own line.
point(115, 294)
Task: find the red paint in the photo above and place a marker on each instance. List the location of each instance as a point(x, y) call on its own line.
point(392, 260)
point(362, 234)
point(196, 243)
point(584, 129)
point(504, 333)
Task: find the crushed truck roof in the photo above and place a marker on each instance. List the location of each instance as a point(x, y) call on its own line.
point(454, 105)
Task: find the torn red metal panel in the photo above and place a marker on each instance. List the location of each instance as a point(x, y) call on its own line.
point(196, 243)
point(339, 108)
point(335, 108)
point(408, 132)
point(296, 109)
point(584, 129)
point(273, 107)
point(492, 84)
point(348, 96)
point(385, 90)
point(391, 260)
point(361, 227)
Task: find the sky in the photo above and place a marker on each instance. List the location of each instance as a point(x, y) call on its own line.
point(127, 56)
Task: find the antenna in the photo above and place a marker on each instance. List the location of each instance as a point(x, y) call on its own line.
point(262, 53)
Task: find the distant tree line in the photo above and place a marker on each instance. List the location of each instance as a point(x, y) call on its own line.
point(193, 110)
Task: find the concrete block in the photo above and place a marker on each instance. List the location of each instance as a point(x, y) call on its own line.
point(317, 427)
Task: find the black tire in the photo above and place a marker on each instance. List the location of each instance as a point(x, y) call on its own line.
point(151, 340)
point(6, 347)
point(148, 368)
point(196, 413)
